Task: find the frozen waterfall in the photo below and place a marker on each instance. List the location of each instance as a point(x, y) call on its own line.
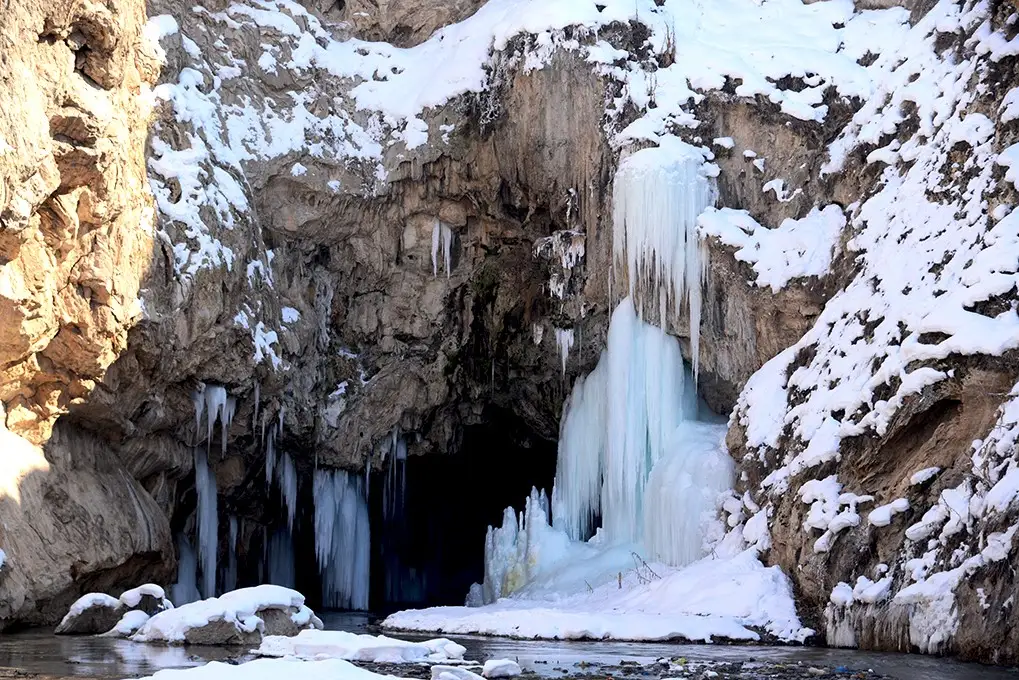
point(342, 538)
point(632, 453)
point(636, 470)
point(657, 195)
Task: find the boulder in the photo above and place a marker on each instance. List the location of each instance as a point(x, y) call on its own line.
point(91, 614)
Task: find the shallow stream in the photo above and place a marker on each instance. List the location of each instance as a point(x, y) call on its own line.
point(38, 653)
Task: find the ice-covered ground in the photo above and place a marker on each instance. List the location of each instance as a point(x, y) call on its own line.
point(724, 597)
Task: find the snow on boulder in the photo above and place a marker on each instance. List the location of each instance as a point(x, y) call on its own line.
point(91, 614)
point(336, 644)
point(453, 673)
point(128, 624)
point(99, 613)
point(239, 617)
point(500, 668)
point(148, 598)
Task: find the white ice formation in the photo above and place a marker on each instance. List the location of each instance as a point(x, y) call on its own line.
point(342, 538)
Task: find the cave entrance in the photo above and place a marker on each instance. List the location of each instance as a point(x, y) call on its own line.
point(430, 514)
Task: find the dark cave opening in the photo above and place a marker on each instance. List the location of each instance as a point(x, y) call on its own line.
point(430, 515)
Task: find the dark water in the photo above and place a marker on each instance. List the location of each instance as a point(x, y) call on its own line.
point(40, 652)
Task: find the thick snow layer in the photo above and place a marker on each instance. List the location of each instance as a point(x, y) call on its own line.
point(709, 599)
point(272, 669)
point(132, 598)
point(334, 644)
point(238, 606)
point(87, 602)
point(796, 249)
point(129, 624)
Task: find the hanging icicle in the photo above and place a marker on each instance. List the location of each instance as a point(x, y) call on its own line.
point(214, 404)
point(442, 237)
point(657, 196)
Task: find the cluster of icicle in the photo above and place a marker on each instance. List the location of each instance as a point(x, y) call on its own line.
point(657, 195)
point(342, 539)
point(442, 236)
point(279, 467)
point(212, 403)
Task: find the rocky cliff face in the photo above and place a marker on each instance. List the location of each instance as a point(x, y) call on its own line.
point(355, 239)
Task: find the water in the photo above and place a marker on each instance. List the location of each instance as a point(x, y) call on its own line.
point(38, 652)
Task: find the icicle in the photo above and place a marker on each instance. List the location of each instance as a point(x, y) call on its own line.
point(342, 540)
point(270, 456)
point(447, 243)
point(287, 473)
point(442, 236)
point(208, 529)
point(564, 341)
point(657, 196)
point(436, 231)
point(230, 577)
point(185, 590)
point(281, 559)
point(216, 405)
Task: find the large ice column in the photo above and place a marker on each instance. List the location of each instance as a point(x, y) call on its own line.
point(208, 524)
point(342, 540)
point(631, 450)
point(657, 195)
point(618, 423)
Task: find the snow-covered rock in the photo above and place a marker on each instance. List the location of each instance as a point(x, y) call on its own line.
point(96, 613)
point(500, 668)
point(90, 614)
point(240, 617)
